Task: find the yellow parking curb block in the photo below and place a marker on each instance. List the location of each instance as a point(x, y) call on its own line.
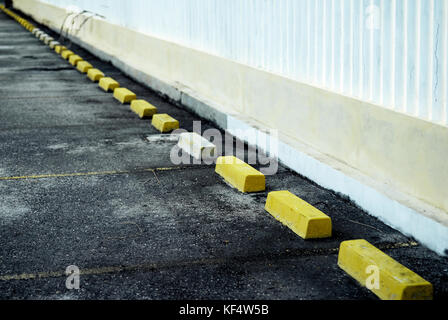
point(95, 75)
point(164, 122)
point(143, 108)
point(240, 175)
point(74, 59)
point(360, 259)
point(59, 48)
point(107, 83)
point(65, 54)
point(305, 220)
point(124, 95)
point(196, 145)
point(83, 66)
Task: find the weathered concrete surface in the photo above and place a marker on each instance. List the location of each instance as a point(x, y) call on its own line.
point(170, 234)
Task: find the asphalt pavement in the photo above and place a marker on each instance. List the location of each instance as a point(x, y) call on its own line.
point(81, 184)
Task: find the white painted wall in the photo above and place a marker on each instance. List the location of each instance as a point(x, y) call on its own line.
point(393, 53)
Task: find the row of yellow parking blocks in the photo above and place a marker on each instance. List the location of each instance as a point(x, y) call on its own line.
point(162, 122)
point(19, 19)
point(356, 257)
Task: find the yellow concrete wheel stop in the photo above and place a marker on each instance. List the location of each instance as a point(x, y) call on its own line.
point(83, 66)
point(164, 123)
point(240, 175)
point(143, 108)
point(59, 48)
point(95, 75)
point(301, 217)
point(108, 84)
point(74, 59)
point(65, 54)
point(124, 95)
point(381, 274)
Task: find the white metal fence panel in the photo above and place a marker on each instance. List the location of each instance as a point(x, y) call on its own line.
point(393, 53)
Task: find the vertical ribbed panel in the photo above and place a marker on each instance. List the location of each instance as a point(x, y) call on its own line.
point(390, 52)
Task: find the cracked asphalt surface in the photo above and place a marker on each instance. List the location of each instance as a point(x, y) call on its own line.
point(140, 232)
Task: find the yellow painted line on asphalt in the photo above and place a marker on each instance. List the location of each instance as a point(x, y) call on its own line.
point(58, 274)
point(112, 269)
point(52, 97)
point(43, 176)
point(82, 174)
point(169, 264)
point(398, 245)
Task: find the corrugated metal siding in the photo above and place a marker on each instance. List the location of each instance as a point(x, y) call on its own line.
point(390, 52)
